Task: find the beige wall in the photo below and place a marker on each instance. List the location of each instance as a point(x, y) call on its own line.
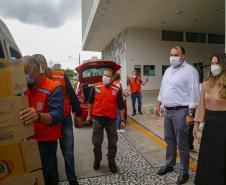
point(146, 47)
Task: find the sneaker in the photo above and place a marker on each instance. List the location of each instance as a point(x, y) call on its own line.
point(119, 130)
point(140, 113)
point(133, 114)
point(113, 167)
point(122, 131)
point(96, 165)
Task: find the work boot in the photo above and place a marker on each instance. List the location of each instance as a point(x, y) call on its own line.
point(183, 178)
point(74, 182)
point(96, 165)
point(164, 170)
point(113, 167)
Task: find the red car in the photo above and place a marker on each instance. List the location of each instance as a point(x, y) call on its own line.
point(90, 73)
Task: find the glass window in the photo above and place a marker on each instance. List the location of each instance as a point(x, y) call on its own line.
point(93, 72)
point(1, 51)
point(14, 54)
point(164, 67)
point(172, 36)
point(218, 39)
point(195, 37)
point(149, 70)
point(199, 67)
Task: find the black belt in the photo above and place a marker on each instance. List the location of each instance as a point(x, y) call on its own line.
point(176, 107)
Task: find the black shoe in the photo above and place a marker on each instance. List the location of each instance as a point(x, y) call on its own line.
point(134, 114)
point(140, 113)
point(75, 182)
point(113, 167)
point(183, 178)
point(96, 165)
point(164, 170)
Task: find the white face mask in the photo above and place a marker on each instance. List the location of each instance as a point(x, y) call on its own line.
point(215, 69)
point(106, 80)
point(175, 61)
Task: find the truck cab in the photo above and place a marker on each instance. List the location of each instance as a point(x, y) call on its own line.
point(8, 46)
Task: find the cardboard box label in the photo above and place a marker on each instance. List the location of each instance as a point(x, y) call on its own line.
point(12, 78)
point(11, 161)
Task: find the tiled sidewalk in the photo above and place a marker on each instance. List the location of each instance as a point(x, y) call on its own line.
point(133, 170)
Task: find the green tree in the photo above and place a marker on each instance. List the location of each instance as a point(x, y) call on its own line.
point(70, 73)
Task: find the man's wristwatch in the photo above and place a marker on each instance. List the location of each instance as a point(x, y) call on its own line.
point(39, 117)
point(190, 114)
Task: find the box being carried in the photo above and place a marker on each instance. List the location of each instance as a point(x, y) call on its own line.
point(18, 158)
point(12, 78)
point(33, 178)
point(11, 128)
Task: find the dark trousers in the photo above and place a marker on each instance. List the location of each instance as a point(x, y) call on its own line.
point(191, 137)
point(134, 96)
point(98, 135)
point(67, 148)
point(211, 167)
point(49, 162)
point(176, 135)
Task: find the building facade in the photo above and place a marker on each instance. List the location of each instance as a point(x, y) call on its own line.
point(138, 34)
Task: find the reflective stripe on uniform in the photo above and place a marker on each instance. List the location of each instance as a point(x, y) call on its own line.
point(43, 91)
point(57, 76)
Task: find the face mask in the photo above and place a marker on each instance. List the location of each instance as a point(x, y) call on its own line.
point(29, 81)
point(175, 61)
point(215, 69)
point(106, 80)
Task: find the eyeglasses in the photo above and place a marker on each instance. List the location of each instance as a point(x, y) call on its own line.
point(174, 55)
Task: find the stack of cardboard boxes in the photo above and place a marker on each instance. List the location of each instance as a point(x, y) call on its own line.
point(20, 162)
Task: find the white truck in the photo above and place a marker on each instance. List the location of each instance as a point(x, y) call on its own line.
point(8, 46)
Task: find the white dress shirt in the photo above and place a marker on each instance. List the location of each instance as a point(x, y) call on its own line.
point(180, 87)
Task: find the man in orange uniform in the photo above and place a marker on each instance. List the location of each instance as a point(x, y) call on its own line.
point(105, 98)
point(46, 112)
point(70, 101)
point(135, 87)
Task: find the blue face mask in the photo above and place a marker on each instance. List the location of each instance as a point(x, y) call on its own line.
point(29, 80)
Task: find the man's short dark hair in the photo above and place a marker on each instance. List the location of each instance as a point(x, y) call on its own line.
point(110, 70)
point(181, 48)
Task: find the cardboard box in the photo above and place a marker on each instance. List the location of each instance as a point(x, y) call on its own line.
point(12, 78)
point(18, 158)
point(11, 128)
point(34, 178)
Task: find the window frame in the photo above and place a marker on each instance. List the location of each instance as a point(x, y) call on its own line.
point(148, 65)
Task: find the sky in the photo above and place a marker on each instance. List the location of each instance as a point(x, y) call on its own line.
point(50, 27)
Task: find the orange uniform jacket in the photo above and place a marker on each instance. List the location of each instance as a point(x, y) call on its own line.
point(135, 85)
point(38, 100)
point(58, 76)
point(105, 103)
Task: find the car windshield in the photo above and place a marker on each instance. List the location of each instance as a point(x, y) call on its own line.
point(92, 72)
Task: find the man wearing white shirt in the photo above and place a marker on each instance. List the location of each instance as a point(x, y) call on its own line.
point(179, 94)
